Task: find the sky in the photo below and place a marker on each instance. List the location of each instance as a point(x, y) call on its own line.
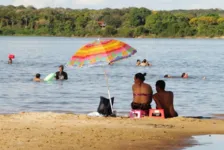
point(98, 4)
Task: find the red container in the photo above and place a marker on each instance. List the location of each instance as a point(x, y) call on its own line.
point(12, 56)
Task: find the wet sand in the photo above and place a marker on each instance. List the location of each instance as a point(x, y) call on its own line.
point(55, 131)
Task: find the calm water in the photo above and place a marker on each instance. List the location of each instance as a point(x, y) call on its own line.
point(206, 142)
point(80, 94)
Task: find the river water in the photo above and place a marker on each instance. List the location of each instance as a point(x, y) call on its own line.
point(80, 94)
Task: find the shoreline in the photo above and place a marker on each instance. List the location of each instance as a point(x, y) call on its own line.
point(140, 37)
point(47, 130)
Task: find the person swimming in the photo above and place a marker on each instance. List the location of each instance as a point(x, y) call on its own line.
point(145, 63)
point(142, 93)
point(183, 75)
point(138, 63)
point(37, 78)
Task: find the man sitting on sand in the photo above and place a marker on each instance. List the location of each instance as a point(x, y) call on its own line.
point(37, 78)
point(164, 100)
point(142, 93)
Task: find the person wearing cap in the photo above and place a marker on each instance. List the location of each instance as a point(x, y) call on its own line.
point(61, 75)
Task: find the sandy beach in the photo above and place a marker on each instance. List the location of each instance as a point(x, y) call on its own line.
point(56, 131)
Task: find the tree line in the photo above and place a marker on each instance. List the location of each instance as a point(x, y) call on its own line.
point(126, 22)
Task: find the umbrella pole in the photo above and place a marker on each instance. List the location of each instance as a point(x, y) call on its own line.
point(106, 77)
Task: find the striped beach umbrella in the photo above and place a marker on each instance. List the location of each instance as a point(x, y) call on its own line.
point(101, 51)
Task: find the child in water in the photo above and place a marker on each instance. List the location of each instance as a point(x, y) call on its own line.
point(37, 78)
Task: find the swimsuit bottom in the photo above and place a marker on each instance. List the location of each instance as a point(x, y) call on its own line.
point(140, 106)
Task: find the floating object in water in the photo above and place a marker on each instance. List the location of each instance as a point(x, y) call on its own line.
point(49, 77)
point(11, 56)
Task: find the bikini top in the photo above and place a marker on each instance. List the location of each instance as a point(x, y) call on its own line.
point(141, 94)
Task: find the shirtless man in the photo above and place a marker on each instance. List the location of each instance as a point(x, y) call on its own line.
point(164, 100)
point(37, 78)
point(142, 93)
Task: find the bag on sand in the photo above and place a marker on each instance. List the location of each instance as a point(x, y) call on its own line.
point(104, 107)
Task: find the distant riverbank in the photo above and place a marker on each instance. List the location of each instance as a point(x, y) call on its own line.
point(139, 37)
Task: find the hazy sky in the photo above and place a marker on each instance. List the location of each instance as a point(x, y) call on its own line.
point(97, 4)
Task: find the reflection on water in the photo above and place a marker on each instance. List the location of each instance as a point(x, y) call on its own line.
point(208, 142)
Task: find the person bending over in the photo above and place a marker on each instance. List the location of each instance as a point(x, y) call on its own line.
point(61, 75)
point(164, 100)
point(142, 93)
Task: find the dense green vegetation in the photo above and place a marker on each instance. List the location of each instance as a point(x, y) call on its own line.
point(127, 22)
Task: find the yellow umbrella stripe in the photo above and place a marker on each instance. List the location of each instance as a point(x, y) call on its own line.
point(102, 49)
point(99, 44)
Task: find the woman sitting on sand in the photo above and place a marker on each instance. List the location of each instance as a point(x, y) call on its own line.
point(142, 93)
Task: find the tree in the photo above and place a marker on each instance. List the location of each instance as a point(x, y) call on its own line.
point(138, 16)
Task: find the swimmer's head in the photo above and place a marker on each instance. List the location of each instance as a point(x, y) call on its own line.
point(184, 75)
point(167, 76)
point(160, 85)
point(144, 61)
point(138, 60)
point(37, 75)
point(61, 68)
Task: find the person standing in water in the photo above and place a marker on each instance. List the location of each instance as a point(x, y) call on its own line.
point(10, 61)
point(164, 100)
point(61, 75)
point(142, 93)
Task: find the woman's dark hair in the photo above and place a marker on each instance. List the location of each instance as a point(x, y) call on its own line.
point(161, 84)
point(140, 76)
point(183, 75)
point(62, 67)
point(144, 61)
point(138, 60)
point(166, 76)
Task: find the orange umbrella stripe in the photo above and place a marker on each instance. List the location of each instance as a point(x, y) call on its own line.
point(102, 49)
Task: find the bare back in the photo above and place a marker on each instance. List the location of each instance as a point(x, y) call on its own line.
point(164, 100)
point(142, 93)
